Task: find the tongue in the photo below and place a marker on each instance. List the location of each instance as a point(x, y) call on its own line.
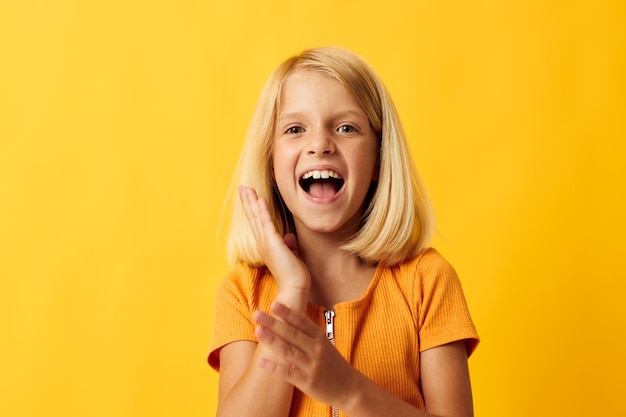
point(322, 189)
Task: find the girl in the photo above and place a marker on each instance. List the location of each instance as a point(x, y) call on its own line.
point(335, 305)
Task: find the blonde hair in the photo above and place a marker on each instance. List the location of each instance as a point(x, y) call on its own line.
point(398, 221)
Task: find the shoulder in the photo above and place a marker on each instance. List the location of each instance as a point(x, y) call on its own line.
point(426, 277)
point(418, 277)
point(244, 274)
point(429, 258)
point(442, 312)
point(247, 284)
point(427, 266)
point(243, 279)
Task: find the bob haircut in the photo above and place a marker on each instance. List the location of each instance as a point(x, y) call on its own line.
point(397, 222)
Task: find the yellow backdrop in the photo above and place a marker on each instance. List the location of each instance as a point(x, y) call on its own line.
point(120, 124)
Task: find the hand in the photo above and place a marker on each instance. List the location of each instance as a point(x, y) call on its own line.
point(280, 254)
point(307, 358)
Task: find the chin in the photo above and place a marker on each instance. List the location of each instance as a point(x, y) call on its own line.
point(331, 227)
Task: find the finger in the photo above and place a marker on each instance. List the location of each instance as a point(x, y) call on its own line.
point(277, 328)
point(258, 214)
point(244, 197)
point(249, 200)
point(287, 349)
point(265, 219)
point(289, 372)
point(291, 242)
point(295, 319)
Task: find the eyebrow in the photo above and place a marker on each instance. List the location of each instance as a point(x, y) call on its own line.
point(340, 114)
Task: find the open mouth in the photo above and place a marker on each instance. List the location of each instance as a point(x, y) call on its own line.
point(321, 183)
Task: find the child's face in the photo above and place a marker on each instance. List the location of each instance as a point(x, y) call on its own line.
point(325, 154)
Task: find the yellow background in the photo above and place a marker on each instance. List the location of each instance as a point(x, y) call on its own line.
point(120, 124)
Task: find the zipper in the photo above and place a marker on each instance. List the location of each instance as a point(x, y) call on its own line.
point(329, 315)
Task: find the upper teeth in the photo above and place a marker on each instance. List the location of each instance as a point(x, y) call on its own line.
point(324, 174)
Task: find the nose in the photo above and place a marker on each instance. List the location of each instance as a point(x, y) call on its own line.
point(320, 143)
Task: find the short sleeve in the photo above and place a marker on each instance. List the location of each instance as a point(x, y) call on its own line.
point(233, 316)
point(444, 315)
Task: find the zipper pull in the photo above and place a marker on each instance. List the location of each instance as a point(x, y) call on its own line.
point(329, 314)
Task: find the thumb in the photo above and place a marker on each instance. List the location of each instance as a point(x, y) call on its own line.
point(291, 242)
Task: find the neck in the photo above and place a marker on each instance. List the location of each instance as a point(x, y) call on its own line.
point(336, 275)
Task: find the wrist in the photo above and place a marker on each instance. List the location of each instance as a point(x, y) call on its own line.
point(353, 400)
point(294, 298)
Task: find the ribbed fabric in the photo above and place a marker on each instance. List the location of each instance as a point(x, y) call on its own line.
point(405, 310)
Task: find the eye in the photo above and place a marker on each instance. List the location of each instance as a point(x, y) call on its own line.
point(294, 130)
point(346, 129)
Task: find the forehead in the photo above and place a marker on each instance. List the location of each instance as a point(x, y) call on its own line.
point(303, 87)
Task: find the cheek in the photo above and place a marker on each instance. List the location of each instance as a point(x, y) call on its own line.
point(284, 159)
point(282, 170)
point(277, 164)
point(286, 190)
point(368, 162)
point(275, 159)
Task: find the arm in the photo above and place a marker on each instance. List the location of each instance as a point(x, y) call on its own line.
point(244, 388)
point(445, 385)
point(315, 367)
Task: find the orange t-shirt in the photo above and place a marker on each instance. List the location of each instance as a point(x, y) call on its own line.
point(405, 310)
